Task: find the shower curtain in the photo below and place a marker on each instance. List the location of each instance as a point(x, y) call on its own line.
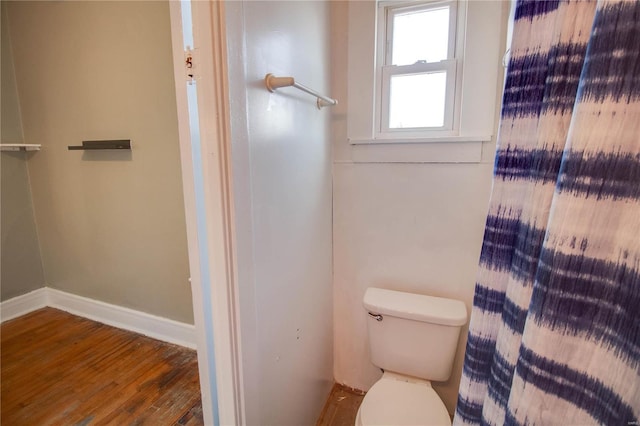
point(554, 336)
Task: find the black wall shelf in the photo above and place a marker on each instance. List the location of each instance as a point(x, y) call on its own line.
point(93, 145)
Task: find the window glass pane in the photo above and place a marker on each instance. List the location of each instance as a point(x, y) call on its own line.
point(417, 100)
point(420, 36)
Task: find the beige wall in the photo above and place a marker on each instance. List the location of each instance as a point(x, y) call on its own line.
point(11, 123)
point(20, 264)
point(111, 224)
point(400, 223)
point(281, 152)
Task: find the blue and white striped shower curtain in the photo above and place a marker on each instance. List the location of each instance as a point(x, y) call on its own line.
point(554, 336)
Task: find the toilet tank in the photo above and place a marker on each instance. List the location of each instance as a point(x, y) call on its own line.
point(413, 334)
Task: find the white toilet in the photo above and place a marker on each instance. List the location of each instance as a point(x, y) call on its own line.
point(413, 339)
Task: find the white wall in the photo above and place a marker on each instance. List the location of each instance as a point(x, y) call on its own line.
point(401, 224)
point(282, 190)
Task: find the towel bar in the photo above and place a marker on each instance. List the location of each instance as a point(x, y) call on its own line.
point(272, 82)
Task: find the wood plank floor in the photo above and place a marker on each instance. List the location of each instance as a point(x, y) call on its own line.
point(60, 369)
point(341, 407)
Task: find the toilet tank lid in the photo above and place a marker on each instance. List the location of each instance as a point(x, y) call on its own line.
point(436, 310)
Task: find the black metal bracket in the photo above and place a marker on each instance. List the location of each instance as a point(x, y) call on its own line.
point(114, 144)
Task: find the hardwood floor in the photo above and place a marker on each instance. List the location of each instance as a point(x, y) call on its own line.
point(59, 369)
point(341, 407)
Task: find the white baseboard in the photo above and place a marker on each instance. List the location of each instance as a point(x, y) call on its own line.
point(23, 304)
point(117, 316)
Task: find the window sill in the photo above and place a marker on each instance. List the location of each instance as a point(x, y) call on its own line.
point(444, 149)
point(414, 140)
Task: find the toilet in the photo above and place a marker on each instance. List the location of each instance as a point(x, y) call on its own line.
point(413, 338)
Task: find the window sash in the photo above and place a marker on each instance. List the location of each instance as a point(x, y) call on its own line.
point(391, 13)
point(448, 66)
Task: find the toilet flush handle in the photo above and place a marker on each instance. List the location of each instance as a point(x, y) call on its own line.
point(377, 317)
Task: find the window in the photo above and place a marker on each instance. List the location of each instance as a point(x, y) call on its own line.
point(461, 74)
point(418, 63)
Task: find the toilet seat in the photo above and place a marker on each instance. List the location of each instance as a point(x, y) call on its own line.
point(393, 401)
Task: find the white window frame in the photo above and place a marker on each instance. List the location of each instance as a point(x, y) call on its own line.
point(453, 67)
point(481, 90)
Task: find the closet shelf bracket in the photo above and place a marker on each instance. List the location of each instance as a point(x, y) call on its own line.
point(109, 144)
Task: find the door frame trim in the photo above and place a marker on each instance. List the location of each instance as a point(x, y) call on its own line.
point(208, 199)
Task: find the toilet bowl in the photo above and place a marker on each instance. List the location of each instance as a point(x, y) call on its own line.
point(399, 400)
point(413, 338)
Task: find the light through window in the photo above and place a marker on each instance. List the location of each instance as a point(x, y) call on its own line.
point(417, 100)
point(420, 36)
